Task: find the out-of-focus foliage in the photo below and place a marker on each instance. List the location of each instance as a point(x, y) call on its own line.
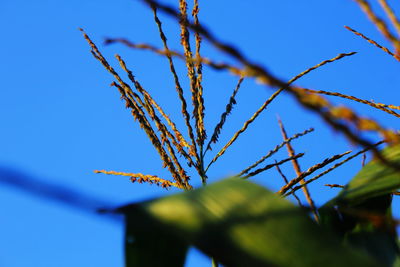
point(237, 223)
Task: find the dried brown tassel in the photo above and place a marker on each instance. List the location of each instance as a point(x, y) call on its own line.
point(332, 168)
point(272, 97)
point(139, 115)
point(378, 22)
point(296, 167)
point(137, 112)
point(387, 106)
point(186, 116)
point(199, 72)
point(310, 170)
point(165, 137)
point(287, 181)
point(335, 185)
point(244, 127)
point(390, 13)
point(179, 142)
point(363, 101)
point(172, 53)
point(257, 71)
point(373, 42)
point(140, 178)
point(308, 100)
point(273, 151)
point(196, 96)
point(269, 166)
point(228, 109)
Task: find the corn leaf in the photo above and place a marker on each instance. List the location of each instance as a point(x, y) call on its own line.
point(374, 179)
point(236, 222)
point(361, 213)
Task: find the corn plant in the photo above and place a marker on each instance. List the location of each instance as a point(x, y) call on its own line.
point(222, 219)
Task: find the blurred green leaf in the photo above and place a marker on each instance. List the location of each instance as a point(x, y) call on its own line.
point(361, 212)
point(374, 179)
point(151, 247)
point(397, 261)
point(379, 244)
point(236, 222)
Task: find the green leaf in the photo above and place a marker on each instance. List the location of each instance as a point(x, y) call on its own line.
point(380, 245)
point(236, 222)
point(374, 179)
point(146, 247)
point(397, 261)
point(361, 212)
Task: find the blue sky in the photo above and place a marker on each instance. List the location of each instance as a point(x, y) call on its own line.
point(60, 119)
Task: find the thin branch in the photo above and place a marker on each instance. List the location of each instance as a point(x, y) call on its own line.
point(269, 100)
point(297, 169)
point(310, 170)
point(335, 185)
point(228, 109)
point(378, 22)
point(199, 73)
point(373, 42)
point(166, 136)
point(140, 178)
point(197, 98)
point(287, 181)
point(186, 116)
point(363, 101)
point(332, 168)
point(137, 112)
point(387, 106)
point(390, 13)
point(179, 142)
point(273, 151)
point(265, 77)
point(338, 57)
point(269, 166)
point(244, 127)
point(180, 175)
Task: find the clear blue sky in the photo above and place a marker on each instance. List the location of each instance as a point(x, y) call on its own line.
point(60, 120)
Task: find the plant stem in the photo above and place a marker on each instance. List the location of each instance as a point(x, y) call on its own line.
point(202, 172)
point(204, 177)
